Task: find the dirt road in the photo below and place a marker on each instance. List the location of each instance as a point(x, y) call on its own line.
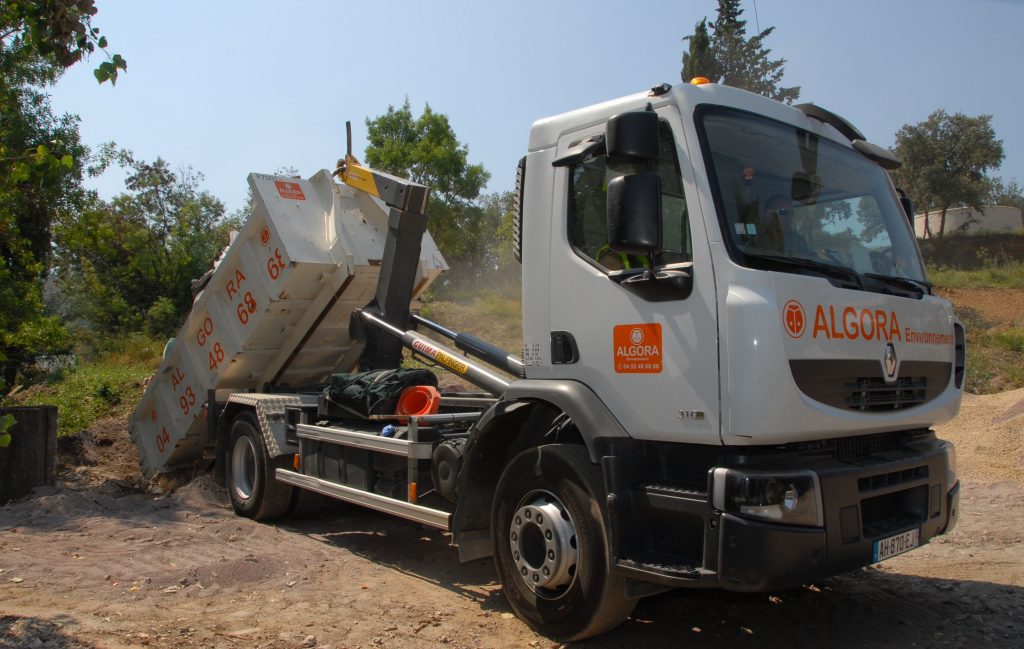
point(97, 562)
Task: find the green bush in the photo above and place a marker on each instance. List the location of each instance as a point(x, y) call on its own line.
point(1007, 275)
point(107, 379)
point(1011, 340)
point(162, 318)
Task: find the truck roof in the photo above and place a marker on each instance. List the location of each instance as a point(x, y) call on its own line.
point(545, 132)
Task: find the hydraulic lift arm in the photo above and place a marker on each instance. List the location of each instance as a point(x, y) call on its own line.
point(407, 221)
point(398, 193)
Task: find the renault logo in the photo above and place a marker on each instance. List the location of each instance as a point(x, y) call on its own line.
point(891, 363)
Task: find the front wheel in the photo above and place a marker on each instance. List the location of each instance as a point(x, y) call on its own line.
point(252, 487)
point(550, 545)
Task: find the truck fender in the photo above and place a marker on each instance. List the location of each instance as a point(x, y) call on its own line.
point(269, 411)
point(526, 412)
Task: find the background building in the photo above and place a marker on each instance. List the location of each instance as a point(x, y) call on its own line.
point(959, 220)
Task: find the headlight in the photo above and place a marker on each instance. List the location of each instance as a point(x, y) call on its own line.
point(790, 498)
point(950, 465)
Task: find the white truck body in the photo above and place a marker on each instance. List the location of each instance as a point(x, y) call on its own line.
point(732, 361)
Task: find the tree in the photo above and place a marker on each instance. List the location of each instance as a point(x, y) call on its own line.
point(728, 56)
point(127, 264)
point(58, 33)
point(426, 150)
point(699, 60)
point(1006, 193)
point(41, 160)
point(491, 230)
point(945, 161)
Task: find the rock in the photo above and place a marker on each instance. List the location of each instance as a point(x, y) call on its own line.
point(309, 641)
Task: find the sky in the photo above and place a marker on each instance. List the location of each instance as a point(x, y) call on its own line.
point(229, 87)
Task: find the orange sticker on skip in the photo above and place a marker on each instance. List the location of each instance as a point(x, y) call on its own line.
point(292, 191)
point(637, 348)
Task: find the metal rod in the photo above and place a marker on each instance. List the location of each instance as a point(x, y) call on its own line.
point(417, 513)
point(477, 347)
point(412, 473)
point(433, 326)
point(443, 356)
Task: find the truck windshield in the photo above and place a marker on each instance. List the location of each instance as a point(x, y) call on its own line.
point(785, 192)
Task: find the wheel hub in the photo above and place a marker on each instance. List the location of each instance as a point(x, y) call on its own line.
point(543, 542)
point(243, 468)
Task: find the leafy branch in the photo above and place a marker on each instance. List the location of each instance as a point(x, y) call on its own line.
point(60, 31)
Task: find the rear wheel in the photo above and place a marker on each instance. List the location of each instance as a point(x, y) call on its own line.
point(305, 504)
point(252, 488)
point(550, 545)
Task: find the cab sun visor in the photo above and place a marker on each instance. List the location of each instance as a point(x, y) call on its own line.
point(883, 157)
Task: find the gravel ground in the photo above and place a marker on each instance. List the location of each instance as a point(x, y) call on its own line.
point(104, 560)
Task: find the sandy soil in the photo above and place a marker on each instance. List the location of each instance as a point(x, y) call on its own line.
point(1003, 307)
point(99, 561)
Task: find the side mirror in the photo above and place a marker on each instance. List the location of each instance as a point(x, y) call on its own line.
point(805, 188)
point(634, 213)
point(907, 205)
point(633, 135)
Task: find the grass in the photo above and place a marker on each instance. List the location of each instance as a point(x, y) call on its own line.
point(995, 350)
point(994, 363)
point(1011, 340)
point(992, 275)
point(995, 360)
point(107, 380)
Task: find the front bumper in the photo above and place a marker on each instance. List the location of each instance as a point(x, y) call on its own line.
point(757, 556)
point(863, 501)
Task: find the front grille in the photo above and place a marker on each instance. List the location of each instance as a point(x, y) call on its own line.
point(893, 478)
point(871, 394)
point(860, 384)
point(852, 449)
point(895, 512)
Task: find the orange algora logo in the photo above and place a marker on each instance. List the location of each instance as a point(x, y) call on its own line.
point(637, 348)
point(794, 318)
point(292, 191)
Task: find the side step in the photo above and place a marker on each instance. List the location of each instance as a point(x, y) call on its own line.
point(409, 511)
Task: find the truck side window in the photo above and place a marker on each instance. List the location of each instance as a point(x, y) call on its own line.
point(588, 220)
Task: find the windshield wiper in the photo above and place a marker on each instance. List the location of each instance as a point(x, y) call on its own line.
point(829, 270)
point(916, 285)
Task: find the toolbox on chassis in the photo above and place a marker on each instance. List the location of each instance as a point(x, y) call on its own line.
point(732, 362)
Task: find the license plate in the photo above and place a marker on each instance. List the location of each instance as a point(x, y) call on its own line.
point(896, 544)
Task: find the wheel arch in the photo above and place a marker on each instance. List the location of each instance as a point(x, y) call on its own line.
point(524, 417)
point(269, 411)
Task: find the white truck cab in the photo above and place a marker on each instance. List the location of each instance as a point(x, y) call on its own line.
point(737, 282)
point(826, 329)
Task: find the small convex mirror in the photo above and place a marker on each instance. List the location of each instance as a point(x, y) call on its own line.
point(633, 135)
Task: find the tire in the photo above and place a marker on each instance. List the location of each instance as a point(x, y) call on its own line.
point(252, 488)
point(555, 573)
point(305, 504)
